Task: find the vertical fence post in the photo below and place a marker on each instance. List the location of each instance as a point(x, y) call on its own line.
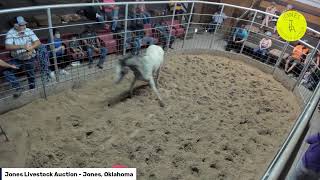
point(216, 27)
point(43, 79)
point(172, 19)
point(125, 30)
point(52, 47)
point(188, 25)
point(254, 17)
point(306, 66)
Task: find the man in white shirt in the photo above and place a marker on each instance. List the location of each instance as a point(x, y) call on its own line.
point(217, 20)
point(22, 42)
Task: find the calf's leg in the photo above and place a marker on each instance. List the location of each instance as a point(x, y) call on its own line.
point(132, 85)
point(153, 86)
point(157, 77)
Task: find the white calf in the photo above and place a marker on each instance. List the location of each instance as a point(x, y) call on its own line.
point(143, 67)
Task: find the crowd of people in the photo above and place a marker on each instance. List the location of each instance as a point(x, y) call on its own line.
point(22, 43)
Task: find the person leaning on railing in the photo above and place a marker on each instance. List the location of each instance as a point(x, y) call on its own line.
point(308, 167)
point(22, 42)
point(238, 38)
point(299, 53)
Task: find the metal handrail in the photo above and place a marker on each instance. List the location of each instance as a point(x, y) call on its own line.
point(34, 8)
point(277, 165)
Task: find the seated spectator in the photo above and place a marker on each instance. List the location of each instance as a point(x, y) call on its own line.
point(264, 45)
point(272, 10)
point(140, 39)
point(238, 38)
point(76, 48)
point(136, 38)
point(93, 13)
point(308, 167)
point(100, 17)
point(22, 42)
point(142, 13)
point(298, 54)
point(314, 66)
point(217, 20)
point(92, 44)
point(179, 9)
point(164, 31)
point(59, 50)
point(132, 11)
point(111, 12)
point(132, 40)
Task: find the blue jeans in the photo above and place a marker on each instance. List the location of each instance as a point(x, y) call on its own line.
point(114, 15)
point(147, 41)
point(258, 51)
point(165, 38)
point(136, 46)
point(146, 17)
point(103, 55)
point(27, 66)
point(138, 42)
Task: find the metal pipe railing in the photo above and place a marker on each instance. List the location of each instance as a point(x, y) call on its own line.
point(125, 30)
point(249, 30)
point(188, 25)
point(52, 47)
point(170, 28)
point(216, 27)
point(280, 160)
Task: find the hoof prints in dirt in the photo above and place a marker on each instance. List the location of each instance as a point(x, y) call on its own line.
point(221, 118)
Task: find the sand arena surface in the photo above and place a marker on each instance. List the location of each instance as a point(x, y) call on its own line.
point(223, 120)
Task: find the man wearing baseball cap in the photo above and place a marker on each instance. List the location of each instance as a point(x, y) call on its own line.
point(22, 42)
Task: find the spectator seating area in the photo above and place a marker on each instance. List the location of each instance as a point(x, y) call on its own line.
point(112, 41)
point(109, 40)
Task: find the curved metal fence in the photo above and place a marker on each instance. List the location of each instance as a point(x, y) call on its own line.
point(96, 33)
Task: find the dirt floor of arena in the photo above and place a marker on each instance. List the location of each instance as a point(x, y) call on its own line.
point(223, 120)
